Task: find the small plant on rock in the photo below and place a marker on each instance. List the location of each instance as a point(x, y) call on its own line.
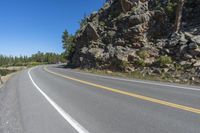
point(143, 54)
point(140, 63)
point(164, 60)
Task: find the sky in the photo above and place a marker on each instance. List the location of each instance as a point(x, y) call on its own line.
point(28, 26)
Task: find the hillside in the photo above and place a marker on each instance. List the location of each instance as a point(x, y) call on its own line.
point(138, 35)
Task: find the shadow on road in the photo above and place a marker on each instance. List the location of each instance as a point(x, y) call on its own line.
point(64, 66)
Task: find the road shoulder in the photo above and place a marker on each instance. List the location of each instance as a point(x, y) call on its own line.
point(10, 120)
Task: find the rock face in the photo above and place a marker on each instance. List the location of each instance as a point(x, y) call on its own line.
point(126, 5)
point(132, 34)
point(90, 32)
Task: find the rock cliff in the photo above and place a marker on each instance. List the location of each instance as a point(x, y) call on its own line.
point(129, 35)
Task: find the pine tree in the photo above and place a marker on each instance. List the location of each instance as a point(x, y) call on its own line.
point(68, 44)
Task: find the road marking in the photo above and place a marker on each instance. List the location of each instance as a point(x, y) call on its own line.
point(161, 102)
point(66, 116)
point(142, 82)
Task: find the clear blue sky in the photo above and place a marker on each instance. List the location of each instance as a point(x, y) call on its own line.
point(28, 26)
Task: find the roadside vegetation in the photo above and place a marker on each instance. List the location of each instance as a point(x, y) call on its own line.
point(4, 72)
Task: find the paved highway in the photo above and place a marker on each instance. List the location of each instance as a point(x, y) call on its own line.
point(52, 99)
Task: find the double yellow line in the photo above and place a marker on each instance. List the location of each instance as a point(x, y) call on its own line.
point(153, 100)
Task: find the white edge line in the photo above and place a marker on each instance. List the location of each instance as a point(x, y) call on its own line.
point(142, 82)
point(66, 116)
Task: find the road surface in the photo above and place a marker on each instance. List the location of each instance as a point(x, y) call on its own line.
point(52, 99)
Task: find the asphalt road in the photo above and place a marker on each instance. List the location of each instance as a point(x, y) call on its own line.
point(56, 100)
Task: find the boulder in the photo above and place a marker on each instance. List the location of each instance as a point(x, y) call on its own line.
point(138, 19)
point(157, 70)
point(188, 35)
point(137, 45)
point(126, 5)
point(196, 39)
point(149, 61)
point(183, 49)
point(120, 42)
point(111, 34)
point(96, 52)
point(195, 52)
point(193, 45)
point(130, 69)
point(185, 63)
point(187, 56)
point(183, 40)
point(132, 56)
point(84, 50)
point(174, 40)
point(197, 64)
point(121, 54)
point(90, 32)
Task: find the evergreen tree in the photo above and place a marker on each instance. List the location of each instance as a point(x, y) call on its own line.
point(68, 45)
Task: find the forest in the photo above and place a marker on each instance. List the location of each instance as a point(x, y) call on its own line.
point(35, 59)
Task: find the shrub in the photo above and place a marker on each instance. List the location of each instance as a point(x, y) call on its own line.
point(135, 9)
point(31, 64)
point(143, 54)
point(102, 23)
point(164, 60)
point(178, 66)
point(119, 65)
point(140, 63)
point(4, 72)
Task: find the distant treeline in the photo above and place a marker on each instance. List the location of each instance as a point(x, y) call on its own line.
point(38, 58)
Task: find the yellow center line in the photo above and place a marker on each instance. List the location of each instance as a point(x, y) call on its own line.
point(161, 102)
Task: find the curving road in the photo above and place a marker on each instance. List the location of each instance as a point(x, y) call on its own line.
point(51, 99)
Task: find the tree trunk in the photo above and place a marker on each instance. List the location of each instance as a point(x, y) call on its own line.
point(1, 82)
point(179, 15)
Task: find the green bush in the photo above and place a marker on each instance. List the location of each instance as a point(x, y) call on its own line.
point(140, 63)
point(135, 9)
point(119, 65)
point(31, 64)
point(143, 54)
point(178, 66)
point(164, 60)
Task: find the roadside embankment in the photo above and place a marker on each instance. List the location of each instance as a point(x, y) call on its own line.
point(161, 77)
point(7, 72)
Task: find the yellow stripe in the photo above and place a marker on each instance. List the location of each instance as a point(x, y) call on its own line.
point(169, 104)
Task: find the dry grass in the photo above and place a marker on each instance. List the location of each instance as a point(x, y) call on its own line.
point(9, 72)
point(130, 75)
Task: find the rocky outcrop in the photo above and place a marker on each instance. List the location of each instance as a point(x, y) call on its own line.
point(128, 35)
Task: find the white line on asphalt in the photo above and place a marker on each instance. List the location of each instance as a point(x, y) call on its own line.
point(66, 116)
point(142, 82)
